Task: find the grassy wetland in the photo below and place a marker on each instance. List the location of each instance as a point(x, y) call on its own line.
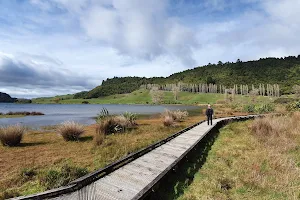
point(40, 163)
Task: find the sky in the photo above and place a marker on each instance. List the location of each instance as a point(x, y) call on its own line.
point(52, 47)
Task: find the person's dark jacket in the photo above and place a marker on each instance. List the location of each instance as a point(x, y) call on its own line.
point(209, 112)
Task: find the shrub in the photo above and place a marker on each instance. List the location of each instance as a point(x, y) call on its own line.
point(11, 135)
point(85, 102)
point(168, 121)
point(70, 130)
point(58, 177)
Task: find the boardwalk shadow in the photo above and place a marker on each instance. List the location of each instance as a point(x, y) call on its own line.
point(173, 185)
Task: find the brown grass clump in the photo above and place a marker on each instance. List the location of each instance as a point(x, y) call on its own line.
point(11, 135)
point(112, 125)
point(70, 130)
point(277, 131)
point(176, 115)
point(99, 136)
point(168, 121)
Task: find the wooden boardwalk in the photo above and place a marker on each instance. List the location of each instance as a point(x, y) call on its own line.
point(134, 179)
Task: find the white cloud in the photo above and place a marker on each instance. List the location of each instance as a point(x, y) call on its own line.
point(140, 29)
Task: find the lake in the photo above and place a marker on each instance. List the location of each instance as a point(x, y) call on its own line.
point(82, 113)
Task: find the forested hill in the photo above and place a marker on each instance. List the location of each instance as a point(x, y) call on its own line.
point(282, 71)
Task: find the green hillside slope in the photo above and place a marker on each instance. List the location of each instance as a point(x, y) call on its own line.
point(282, 71)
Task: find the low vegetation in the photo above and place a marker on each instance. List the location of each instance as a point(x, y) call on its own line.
point(170, 117)
point(252, 160)
point(19, 114)
point(259, 108)
point(109, 124)
point(25, 113)
point(38, 163)
point(62, 175)
point(294, 106)
point(70, 130)
point(11, 135)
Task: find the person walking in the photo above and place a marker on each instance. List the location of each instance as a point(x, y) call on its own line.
point(209, 114)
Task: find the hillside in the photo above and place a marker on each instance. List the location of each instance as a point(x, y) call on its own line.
point(6, 98)
point(282, 71)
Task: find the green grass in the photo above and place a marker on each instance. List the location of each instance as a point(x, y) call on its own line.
point(136, 97)
point(143, 97)
point(239, 166)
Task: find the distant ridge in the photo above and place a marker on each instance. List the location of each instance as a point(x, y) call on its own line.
point(6, 98)
point(282, 71)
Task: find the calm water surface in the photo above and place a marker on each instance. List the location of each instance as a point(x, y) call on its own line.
point(57, 113)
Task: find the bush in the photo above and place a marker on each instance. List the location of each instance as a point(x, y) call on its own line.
point(85, 102)
point(11, 135)
point(70, 130)
point(59, 177)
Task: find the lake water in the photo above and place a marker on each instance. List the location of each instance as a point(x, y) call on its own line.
point(82, 113)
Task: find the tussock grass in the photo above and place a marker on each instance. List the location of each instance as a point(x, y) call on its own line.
point(170, 117)
point(70, 130)
point(109, 124)
point(168, 121)
point(11, 135)
point(252, 160)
